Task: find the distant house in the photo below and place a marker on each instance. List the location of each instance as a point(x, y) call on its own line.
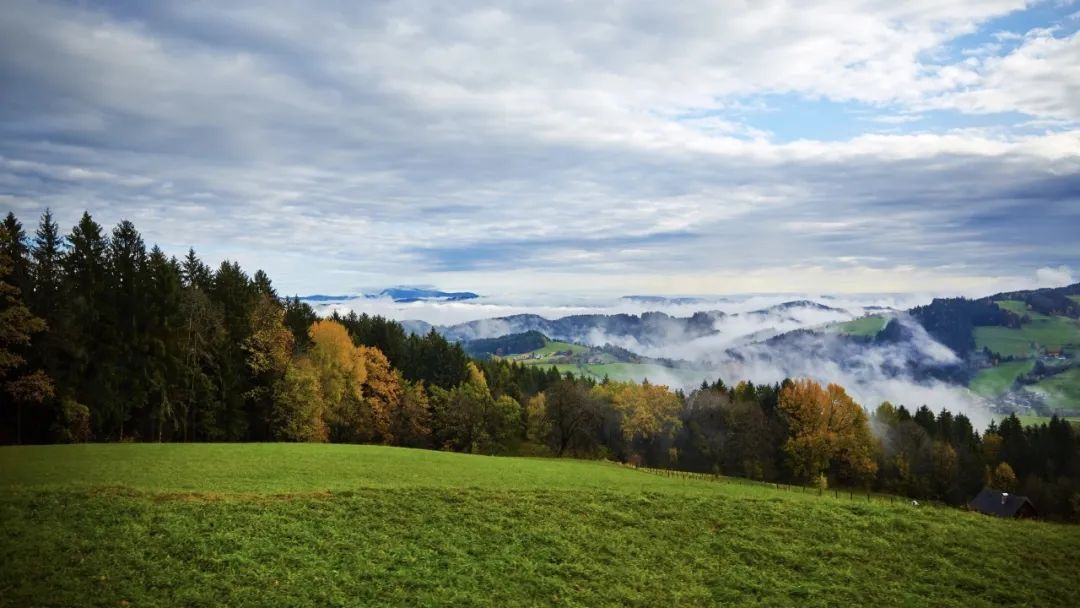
point(1002, 504)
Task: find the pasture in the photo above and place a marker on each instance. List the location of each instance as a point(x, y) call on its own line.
point(317, 525)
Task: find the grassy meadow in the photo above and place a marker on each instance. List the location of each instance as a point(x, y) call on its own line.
point(996, 380)
point(1063, 388)
point(1048, 332)
point(341, 525)
point(868, 326)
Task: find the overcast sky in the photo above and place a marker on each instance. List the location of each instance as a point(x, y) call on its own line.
point(619, 147)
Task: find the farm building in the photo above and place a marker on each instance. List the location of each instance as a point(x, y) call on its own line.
point(1002, 504)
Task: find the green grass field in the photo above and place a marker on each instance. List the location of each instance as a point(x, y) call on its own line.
point(996, 380)
point(1061, 390)
point(1051, 332)
point(865, 326)
point(553, 347)
point(318, 525)
point(1016, 306)
point(657, 374)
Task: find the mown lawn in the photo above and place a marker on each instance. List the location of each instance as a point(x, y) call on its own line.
point(325, 525)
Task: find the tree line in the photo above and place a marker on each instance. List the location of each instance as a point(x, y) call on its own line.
point(104, 339)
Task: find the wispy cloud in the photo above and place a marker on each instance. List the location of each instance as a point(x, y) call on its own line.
point(381, 142)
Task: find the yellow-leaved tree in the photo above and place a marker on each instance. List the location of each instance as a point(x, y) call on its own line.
point(340, 368)
point(829, 432)
point(648, 413)
point(381, 398)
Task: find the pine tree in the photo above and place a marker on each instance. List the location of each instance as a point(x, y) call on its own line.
point(89, 340)
point(164, 331)
point(15, 247)
point(128, 297)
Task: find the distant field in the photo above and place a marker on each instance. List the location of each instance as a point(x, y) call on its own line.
point(865, 326)
point(317, 525)
point(1017, 307)
point(996, 380)
point(1061, 390)
point(554, 347)
point(1075, 298)
point(1052, 332)
point(657, 374)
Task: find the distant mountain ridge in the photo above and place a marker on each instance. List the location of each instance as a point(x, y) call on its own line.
point(417, 294)
point(648, 328)
point(401, 295)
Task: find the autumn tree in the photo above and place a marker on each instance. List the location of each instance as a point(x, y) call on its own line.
point(945, 467)
point(646, 415)
point(537, 423)
point(297, 413)
point(341, 371)
point(382, 396)
point(829, 432)
point(17, 326)
point(269, 351)
point(1003, 478)
point(467, 418)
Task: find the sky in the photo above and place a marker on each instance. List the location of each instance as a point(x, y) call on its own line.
point(556, 147)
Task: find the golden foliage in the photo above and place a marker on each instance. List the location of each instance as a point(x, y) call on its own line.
point(1003, 478)
point(270, 345)
point(645, 410)
point(340, 364)
point(382, 394)
point(827, 429)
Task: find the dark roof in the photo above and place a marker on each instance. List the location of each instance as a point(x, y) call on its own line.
point(993, 502)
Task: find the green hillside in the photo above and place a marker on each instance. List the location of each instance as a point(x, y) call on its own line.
point(554, 346)
point(1063, 388)
point(599, 364)
point(996, 380)
point(655, 373)
point(868, 326)
point(316, 525)
point(1032, 340)
point(1046, 332)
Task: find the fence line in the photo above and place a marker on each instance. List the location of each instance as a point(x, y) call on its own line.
point(837, 493)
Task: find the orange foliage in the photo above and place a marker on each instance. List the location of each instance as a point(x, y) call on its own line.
point(382, 394)
point(827, 429)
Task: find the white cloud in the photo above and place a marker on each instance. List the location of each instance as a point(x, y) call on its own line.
point(1054, 277)
point(1041, 78)
point(598, 145)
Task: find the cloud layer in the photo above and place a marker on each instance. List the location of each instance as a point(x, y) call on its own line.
point(619, 147)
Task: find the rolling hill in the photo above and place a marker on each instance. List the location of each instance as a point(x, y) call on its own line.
point(310, 524)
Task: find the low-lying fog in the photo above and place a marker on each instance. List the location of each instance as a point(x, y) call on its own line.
point(872, 372)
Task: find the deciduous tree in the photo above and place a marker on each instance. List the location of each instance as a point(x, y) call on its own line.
point(829, 431)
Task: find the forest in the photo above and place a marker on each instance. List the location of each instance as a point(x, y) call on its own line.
point(105, 339)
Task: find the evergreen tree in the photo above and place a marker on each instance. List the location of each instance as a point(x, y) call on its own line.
point(127, 288)
point(89, 340)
